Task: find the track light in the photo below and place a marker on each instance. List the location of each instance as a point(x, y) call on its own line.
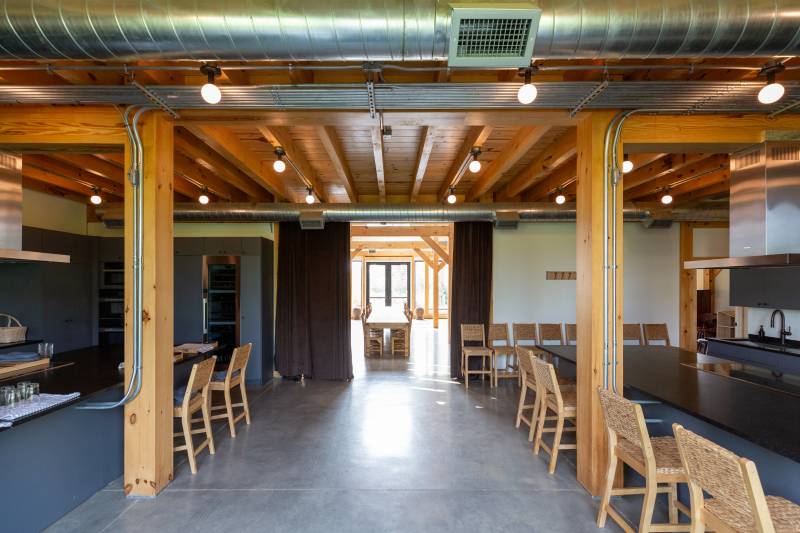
point(627, 164)
point(451, 198)
point(475, 165)
point(527, 92)
point(210, 92)
point(772, 91)
point(666, 198)
point(203, 198)
point(560, 198)
point(279, 165)
point(310, 196)
point(95, 198)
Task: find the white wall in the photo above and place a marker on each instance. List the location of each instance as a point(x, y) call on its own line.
point(521, 257)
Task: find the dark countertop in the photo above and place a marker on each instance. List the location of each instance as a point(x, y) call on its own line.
point(769, 344)
point(87, 371)
point(764, 416)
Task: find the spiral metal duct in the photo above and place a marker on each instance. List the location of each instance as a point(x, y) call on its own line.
point(389, 30)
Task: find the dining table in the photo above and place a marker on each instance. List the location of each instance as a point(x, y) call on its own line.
point(391, 318)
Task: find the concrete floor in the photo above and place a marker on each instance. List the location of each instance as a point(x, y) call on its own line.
point(401, 448)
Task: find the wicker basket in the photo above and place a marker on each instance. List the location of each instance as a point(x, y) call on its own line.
point(10, 332)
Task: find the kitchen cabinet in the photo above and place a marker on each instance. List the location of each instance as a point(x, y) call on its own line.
point(222, 246)
point(188, 298)
point(67, 305)
point(111, 249)
point(771, 288)
point(189, 246)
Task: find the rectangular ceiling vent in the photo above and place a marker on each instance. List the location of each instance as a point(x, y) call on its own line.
point(493, 35)
point(312, 220)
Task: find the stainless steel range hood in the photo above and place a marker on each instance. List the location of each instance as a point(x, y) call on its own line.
point(11, 216)
point(764, 208)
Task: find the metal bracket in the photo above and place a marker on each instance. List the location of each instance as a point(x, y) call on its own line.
point(589, 97)
point(785, 108)
point(155, 99)
point(371, 99)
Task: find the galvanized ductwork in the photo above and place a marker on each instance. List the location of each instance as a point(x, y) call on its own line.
point(391, 30)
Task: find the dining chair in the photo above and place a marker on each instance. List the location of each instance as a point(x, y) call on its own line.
point(563, 404)
point(655, 333)
point(551, 333)
point(225, 381)
point(737, 501)
point(571, 334)
point(373, 339)
point(473, 345)
point(188, 400)
point(656, 459)
point(524, 355)
point(500, 343)
point(524, 335)
point(632, 332)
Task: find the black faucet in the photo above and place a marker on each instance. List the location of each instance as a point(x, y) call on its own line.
point(783, 331)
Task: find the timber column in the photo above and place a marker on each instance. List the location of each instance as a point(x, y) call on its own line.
point(591, 435)
point(148, 418)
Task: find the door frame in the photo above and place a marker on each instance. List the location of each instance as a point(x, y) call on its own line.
point(388, 280)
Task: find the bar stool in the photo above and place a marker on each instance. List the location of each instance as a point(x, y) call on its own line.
point(737, 500)
point(655, 333)
point(473, 344)
point(656, 459)
point(632, 332)
point(190, 399)
point(225, 381)
point(564, 405)
point(499, 333)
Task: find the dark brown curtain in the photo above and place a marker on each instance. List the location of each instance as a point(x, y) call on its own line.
point(312, 322)
point(471, 297)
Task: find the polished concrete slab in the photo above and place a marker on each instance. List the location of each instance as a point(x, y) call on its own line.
point(400, 448)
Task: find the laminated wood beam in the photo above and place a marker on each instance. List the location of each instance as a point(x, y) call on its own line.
point(688, 291)
point(680, 175)
point(30, 127)
point(423, 156)
point(60, 168)
point(279, 136)
point(436, 247)
point(551, 157)
point(659, 168)
point(333, 147)
point(376, 137)
point(476, 136)
point(562, 176)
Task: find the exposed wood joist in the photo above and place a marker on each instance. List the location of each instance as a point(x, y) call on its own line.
point(425, 257)
point(437, 248)
point(476, 136)
point(188, 169)
point(701, 183)
point(279, 136)
point(685, 172)
point(47, 187)
point(197, 150)
point(399, 231)
point(562, 176)
point(93, 164)
point(355, 251)
point(551, 157)
point(423, 156)
point(519, 145)
point(376, 137)
point(658, 168)
point(330, 141)
point(699, 195)
point(54, 180)
point(75, 174)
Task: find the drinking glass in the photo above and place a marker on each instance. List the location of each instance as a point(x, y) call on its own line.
point(34, 387)
point(50, 350)
point(42, 349)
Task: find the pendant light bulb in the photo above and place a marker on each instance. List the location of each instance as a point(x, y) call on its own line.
point(279, 165)
point(310, 196)
point(771, 93)
point(203, 199)
point(210, 92)
point(527, 92)
point(627, 164)
point(95, 198)
point(451, 198)
point(561, 199)
point(666, 199)
point(474, 166)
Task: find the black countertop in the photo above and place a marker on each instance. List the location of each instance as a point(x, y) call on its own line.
point(764, 416)
point(87, 371)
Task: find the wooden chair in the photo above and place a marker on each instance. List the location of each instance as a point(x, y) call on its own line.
point(655, 333)
point(225, 381)
point(473, 344)
point(523, 333)
point(528, 384)
point(737, 500)
point(632, 332)
point(551, 333)
point(190, 399)
point(656, 459)
point(498, 333)
point(564, 404)
point(571, 333)
point(373, 339)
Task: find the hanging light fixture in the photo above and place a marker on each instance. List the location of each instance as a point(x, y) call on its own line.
point(310, 196)
point(95, 198)
point(527, 92)
point(279, 165)
point(203, 198)
point(666, 198)
point(210, 92)
point(451, 198)
point(627, 164)
point(475, 165)
point(772, 91)
point(560, 198)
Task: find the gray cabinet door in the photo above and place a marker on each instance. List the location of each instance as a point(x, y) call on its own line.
point(188, 298)
point(67, 304)
point(223, 246)
point(111, 249)
point(189, 246)
point(250, 313)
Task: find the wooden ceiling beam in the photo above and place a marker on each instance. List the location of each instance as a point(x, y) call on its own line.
point(709, 164)
point(699, 195)
point(55, 180)
point(476, 136)
point(520, 144)
point(279, 136)
point(399, 231)
point(93, 164)
point(75, 174)
point(562, 176)
point(185, 167)
point(437, 248)
point(660, 167)
point(376, 137)
point(423, 156)
point(48, 188)
point(33, 126)
point(333, 147)
point(198, 151)
point(560, 150)
point(425, 257)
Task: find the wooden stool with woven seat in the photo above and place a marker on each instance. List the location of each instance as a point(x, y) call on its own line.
point(632, 332)
point(473, 344)
point(737, 500)
point(549, 396)
point(188, 400)
point(225, 381)
point(655, 333)
point(524, 333)
point(655, 459)
point(498, 333)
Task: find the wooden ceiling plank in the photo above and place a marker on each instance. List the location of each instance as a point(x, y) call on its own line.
point(423, 156)
point(279, 136)
point(476, 136)
point(520, 144)
point(376, 137)
point(714, 162)
point(333, 147)
point(556, 153)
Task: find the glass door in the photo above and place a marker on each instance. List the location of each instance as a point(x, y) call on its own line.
point(388, 285)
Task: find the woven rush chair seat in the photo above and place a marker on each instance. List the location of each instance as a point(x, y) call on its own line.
point(785, 514)
point(665, 450)
point(568, 395)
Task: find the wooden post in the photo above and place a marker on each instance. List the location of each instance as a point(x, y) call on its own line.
point(688, 291)
point(427, 289)
point(591, 435)
point(436, 293)
point(148, 418)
